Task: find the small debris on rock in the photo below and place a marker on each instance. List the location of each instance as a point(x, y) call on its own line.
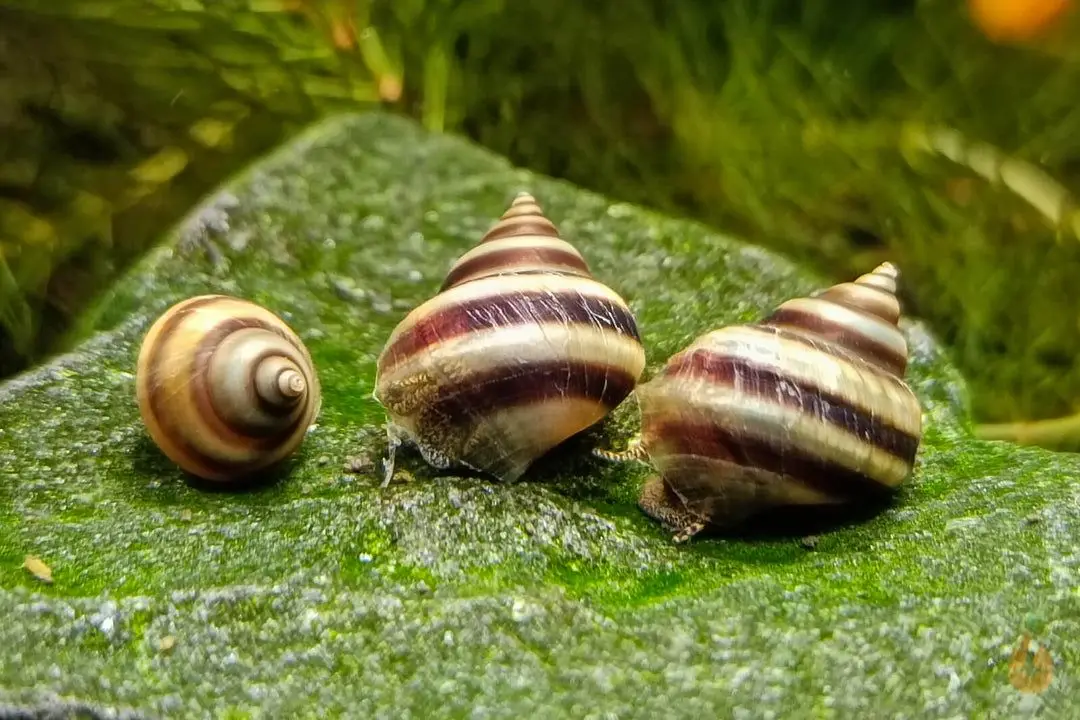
point(358, 464)
point(1030, 672)
point(347, 289)
point(38, 569)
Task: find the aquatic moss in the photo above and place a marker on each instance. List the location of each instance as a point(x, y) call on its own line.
point(448, 596)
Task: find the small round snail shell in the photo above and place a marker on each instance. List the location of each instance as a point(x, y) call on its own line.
point(520, 349)
point(225, 387)
point(806, 407)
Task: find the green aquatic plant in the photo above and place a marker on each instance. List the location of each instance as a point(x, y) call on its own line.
point(786, 121)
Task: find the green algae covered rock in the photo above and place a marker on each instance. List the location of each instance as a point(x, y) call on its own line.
point(443, 596)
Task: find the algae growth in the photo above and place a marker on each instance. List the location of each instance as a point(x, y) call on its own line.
point(444, 596)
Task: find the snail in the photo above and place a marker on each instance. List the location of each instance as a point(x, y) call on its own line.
point(520, 349)
point(225, 387)
point(805, 407)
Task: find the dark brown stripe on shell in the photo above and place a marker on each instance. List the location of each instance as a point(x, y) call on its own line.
point(854, 341)
point(769, 385)
point(510, 309)
point(514, 385)
point(684, 437)
point(506, 260)
point(521, 225)
point(822, 345)
point(845, 296)
point(153, 365)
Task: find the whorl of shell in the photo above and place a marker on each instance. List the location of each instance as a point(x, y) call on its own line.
point(807, 406)
point(520, 349)
point(225, 387)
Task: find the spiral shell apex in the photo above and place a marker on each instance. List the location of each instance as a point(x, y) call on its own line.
point(806, 407)
point(520, 349)
point(225, 387)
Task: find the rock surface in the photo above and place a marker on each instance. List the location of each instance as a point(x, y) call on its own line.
point(445, 596)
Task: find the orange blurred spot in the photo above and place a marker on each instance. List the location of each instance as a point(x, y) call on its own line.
point(390, 88)
point(1030, 674)
point(1016, 20)
point(343, 33)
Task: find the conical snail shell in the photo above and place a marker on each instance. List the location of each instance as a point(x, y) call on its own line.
point(807, 406)
point(520, 349)
point(225, 387)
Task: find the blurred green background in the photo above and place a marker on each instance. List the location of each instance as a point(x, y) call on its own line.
point(842, 133)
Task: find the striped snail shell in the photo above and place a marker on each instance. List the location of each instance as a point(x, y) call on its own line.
point(520, 349)
point(806, 407)
point(225, 387)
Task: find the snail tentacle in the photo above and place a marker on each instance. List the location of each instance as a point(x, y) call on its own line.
point(634, 452)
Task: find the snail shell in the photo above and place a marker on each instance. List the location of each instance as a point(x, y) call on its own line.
point(225, 387)
point(805, 407)
point(520, 349)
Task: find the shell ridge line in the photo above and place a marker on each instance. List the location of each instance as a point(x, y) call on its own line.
point(449, 379)
point(501, 311)
point(163, 425)
point(484, 289)
point(860, 310)
point(525, 342)
point(762, 421)
point(204, 399)
point(504, 386)
point(823, 330)
point(721, 485)
point(857, 321)
point(874, 300)
point(516, 255)
point(819, 344)
point(294, 409)
point(562, 317)
point(715, 443)
point(610, 321)
point(807, 363)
